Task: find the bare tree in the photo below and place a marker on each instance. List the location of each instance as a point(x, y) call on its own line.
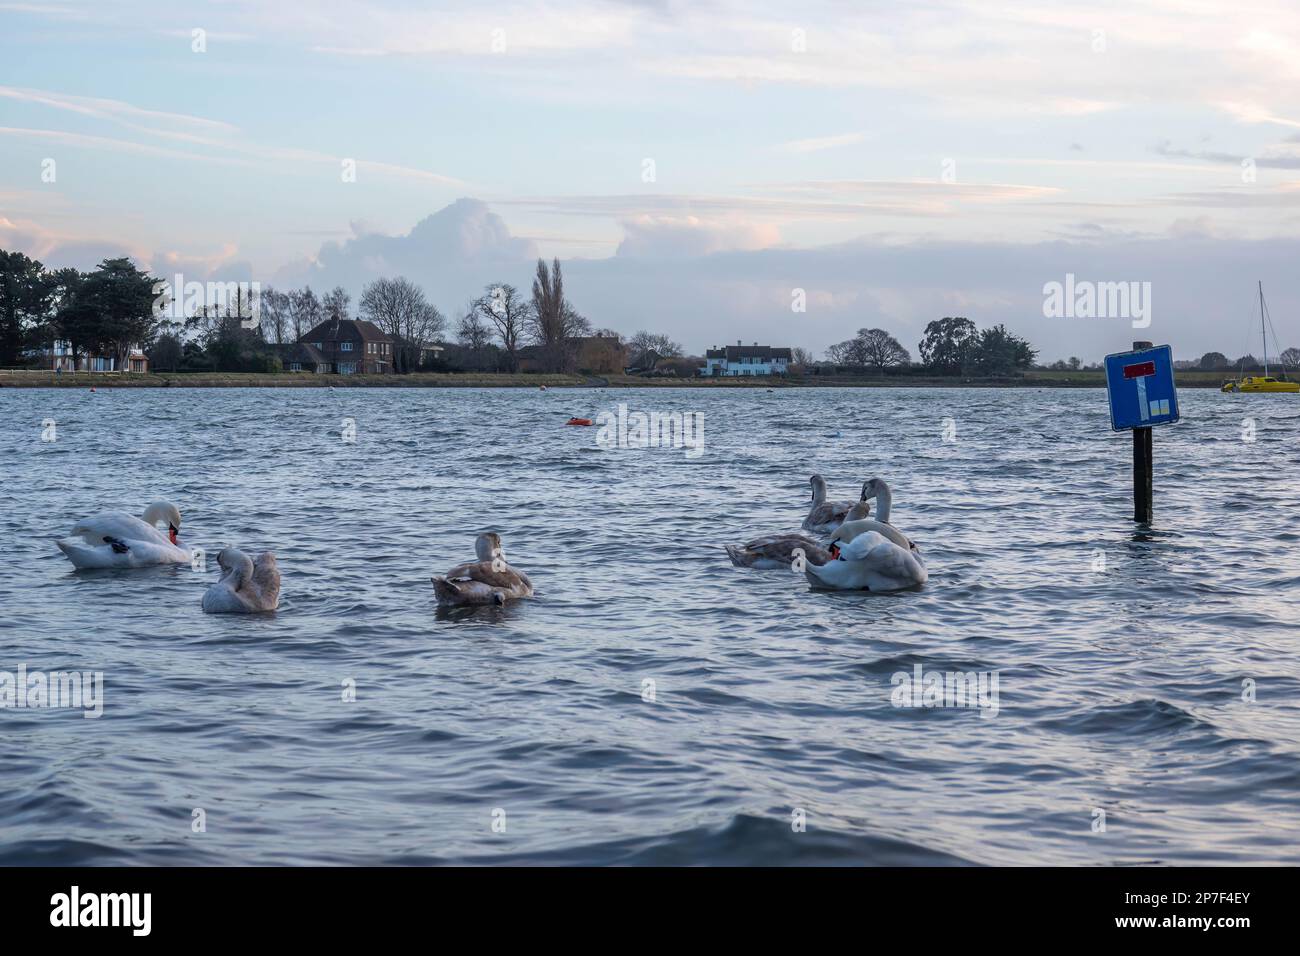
point(800, 356)
point(502, 307)
point(474, 336)
point(304, 312)
point(275, 315)
point(881, 350)
point(647, 347)
point(471, 331)
point(399, 308)
point(553, 322)
point(873, 347)
point(336, 302)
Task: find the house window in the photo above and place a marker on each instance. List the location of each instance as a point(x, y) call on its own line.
point(347, 368)
point(295, 366)
point(345, 346)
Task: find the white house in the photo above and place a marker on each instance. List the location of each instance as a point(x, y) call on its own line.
point(741, 359)
point(60, 358)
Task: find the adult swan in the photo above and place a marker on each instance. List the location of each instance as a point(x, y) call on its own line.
point(115, 539)
point(870, 555)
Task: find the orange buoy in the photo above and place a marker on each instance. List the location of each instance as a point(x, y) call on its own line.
point(578, 421)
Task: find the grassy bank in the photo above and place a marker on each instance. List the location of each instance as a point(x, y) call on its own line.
point(1038, 378)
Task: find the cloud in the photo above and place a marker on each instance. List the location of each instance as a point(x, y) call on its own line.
point(675, 237)
point(710, 280)
point(1280, 156)
point(57, 250)
point(748, 293)
point(211, 141)
point(453, 254)
point(152, 121)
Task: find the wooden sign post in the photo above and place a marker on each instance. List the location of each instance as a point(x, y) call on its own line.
point(1140, 387)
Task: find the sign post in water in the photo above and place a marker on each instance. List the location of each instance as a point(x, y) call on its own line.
point(1140, 387)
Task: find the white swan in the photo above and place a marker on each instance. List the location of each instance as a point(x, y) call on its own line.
point(870, 555)
point(115, 539)
point(246, 586)
point(824, 516)
point(489, 580)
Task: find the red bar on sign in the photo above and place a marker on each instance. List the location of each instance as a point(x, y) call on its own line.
point(1140, 370)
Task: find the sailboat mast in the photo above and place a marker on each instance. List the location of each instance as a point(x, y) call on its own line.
point(1262, 328)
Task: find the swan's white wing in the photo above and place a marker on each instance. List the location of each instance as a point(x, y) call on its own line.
point(864, 525)
point(860, 546)
point(117, 524)
point(131, 554)
point(873, 562)
point(891, 568)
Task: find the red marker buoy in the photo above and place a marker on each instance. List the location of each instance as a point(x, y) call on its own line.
point(578, 421)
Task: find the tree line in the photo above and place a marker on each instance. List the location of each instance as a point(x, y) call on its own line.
point(112, 308)
point(952, 345)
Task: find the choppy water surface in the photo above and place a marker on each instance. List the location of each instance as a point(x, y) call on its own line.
point(1120, 656)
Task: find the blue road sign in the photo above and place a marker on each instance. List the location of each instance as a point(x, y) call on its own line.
point(1140, 386)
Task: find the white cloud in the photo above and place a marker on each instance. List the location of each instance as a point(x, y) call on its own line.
point(675, 237)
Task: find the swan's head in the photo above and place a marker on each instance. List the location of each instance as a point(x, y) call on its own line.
point(818, 487)
point(234, 560)
point(861, 509)
point(487, 546)
point(874, 488)
point(164, 511)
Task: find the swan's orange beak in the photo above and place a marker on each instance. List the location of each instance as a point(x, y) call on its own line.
point(171, 533)
point(835, 550)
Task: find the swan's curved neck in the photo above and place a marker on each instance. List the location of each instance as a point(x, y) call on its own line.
point(485, 550)
point(883, 500)
point(819, 492)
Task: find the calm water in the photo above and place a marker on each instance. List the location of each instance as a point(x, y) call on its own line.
point(1120, 686)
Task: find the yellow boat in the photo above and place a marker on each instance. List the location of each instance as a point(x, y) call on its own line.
point(1265, 382)
point(1260, 383)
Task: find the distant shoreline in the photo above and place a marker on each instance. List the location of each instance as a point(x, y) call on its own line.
point(1032, 379)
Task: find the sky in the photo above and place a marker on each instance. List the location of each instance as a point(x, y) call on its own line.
point(718, 171)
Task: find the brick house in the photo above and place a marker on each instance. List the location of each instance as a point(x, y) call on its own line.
point(301, 357)
point(346, 347)
point(593, 354)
